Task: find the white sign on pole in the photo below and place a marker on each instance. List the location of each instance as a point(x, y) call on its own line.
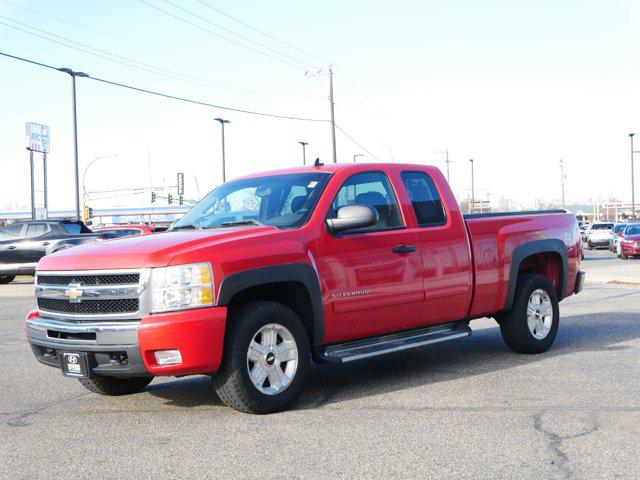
point(37, 138)
point(41, 213)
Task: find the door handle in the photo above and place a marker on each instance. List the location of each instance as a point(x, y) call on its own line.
point(11, 247)
point(45, 244)
point(403, 249)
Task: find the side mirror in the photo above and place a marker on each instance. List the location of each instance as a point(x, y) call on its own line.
point(353, 216)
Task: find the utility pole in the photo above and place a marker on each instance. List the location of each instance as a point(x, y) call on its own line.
point(356, 155)
point(304, 152)
point(75, 132)
point(333, 117)
point(473, 198)
point(222, 122)
point(562, 178)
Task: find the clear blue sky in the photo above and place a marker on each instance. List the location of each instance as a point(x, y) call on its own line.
point(515, 85)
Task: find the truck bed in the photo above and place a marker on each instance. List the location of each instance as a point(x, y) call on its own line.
point(500, 239)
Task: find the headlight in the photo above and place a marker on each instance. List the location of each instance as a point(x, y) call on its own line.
point(181, 287)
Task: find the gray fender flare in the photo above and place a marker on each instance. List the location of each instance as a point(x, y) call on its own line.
point(531, 248)
point(290, 272)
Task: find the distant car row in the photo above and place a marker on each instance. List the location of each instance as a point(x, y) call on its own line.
point(621, 238)
point(23, 244)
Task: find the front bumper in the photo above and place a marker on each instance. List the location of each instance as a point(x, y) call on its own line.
point(125, 348)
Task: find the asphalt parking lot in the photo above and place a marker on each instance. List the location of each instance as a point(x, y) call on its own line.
point(465, 409)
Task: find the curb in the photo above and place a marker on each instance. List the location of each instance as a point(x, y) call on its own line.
point(613, 279)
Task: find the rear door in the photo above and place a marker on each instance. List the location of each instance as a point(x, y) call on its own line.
point(370, 285)
point(37, 239)
point(444, 248)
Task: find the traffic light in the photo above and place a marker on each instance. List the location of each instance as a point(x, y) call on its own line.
point(180, 200)
point(170, 199)
point(153, 197)
point(87, 213)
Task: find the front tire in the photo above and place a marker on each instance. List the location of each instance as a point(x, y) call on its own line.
point(5, 279)
point(532, 324)
point(266, 359)
point(589, 246)
point(112, 386)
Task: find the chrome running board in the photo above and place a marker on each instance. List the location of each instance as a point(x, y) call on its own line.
point(372, 347)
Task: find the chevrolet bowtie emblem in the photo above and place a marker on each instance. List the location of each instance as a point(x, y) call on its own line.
point(74, 293)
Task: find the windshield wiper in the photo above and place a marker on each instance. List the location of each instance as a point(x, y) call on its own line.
point(248, 221)
point(184, 227)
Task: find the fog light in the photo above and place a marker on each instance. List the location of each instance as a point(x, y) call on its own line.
point(168, 357)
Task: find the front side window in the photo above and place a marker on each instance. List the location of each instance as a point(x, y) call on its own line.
point(425, 198)
point(373, 189)
point(283, 201)
point(35, 230)
point(11, 231)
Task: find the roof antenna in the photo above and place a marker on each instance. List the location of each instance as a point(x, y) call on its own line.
point(318, 163)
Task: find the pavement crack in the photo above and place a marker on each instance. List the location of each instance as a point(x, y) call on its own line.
point(19, 420)
point(555, 441)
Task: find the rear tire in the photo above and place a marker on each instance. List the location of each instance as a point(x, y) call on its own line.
point(5, 279)
point(532, 323)
point(112, 386)
point(274, 383)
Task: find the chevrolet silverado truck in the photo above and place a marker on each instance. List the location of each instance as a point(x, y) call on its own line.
point(272, 271)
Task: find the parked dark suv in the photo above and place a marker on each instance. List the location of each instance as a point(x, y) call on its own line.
point(23, 244)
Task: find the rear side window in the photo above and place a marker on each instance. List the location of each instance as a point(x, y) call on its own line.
point(425, 199)
point(71, 228)
point(373, 189)
point(35, 230)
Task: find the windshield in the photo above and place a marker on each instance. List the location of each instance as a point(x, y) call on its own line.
point(602, 226)
point(619, 227)
point(632, 230)
point(283, 201)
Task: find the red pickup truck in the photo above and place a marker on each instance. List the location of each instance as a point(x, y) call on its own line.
point(272, 271)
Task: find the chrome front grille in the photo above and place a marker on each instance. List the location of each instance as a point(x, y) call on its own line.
point(125, 305)
point(102, 279)
point(93, 295)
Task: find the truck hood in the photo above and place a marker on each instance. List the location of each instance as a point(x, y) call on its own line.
point(632, 238)
point(144, 250)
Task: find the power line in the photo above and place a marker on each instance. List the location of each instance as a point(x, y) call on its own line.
point(357, 143)
point(263, 32)
point(220, 85)
point(129, 62)
point(219, 36)
point(173, 97)
point(204, 19)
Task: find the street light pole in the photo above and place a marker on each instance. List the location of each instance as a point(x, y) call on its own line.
point(356, 155)
point(304, 152)
point(75, 132)
point(633, 188)
point(222, 122)
point(473, 198)
point(84, 176)
point(562, 178)
point(333, 117)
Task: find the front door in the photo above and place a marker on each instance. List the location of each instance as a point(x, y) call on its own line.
point(371, 277)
